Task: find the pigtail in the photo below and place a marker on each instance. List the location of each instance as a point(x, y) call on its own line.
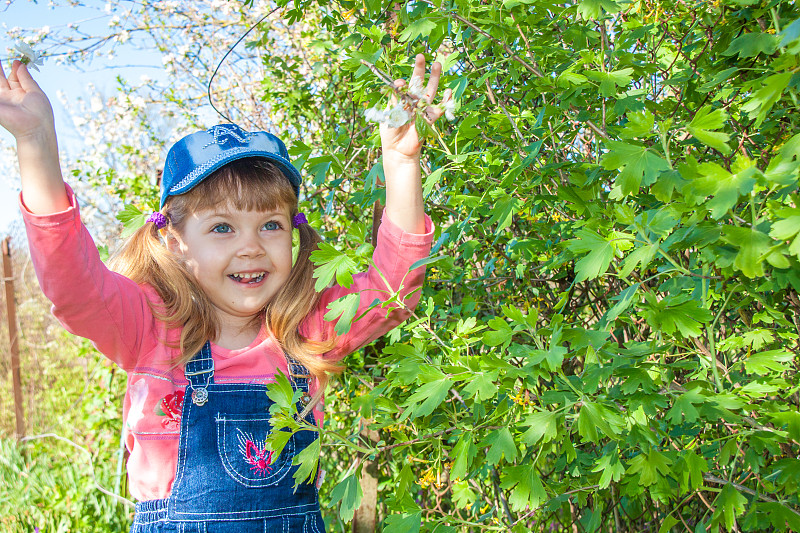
point(144, 258)
point(291, 305)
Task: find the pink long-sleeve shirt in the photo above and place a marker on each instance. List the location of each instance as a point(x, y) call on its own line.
point(115, 314)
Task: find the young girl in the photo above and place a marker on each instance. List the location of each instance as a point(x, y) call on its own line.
point(208, 305)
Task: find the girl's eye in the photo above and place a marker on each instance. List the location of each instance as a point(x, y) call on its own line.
point(272, 226)
point(221, 228)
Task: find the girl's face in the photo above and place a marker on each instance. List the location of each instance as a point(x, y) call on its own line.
point(240, 259)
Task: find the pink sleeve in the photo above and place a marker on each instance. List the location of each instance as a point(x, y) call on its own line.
point(88, 299)
point(394, 253)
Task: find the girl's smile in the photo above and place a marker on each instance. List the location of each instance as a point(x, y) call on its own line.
point(240, 259)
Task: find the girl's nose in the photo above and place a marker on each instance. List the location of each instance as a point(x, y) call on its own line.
point(250, 245)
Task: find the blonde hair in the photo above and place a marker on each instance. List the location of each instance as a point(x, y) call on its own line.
point(248, 184)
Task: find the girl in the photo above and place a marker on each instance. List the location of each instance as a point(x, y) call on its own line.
point(208, 305)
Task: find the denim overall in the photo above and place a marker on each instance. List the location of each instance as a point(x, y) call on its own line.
point(226, 481)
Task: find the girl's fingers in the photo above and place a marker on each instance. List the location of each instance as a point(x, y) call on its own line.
point(3, 80)
point(419, 67)
point(433, 81)
point(432, 114)
point(26, 81)
point(393, 97)
point(13, 78)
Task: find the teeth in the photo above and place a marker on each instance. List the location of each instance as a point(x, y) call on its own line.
point(249, 275)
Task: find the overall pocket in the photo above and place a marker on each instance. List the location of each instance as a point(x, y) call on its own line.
point(241, 444)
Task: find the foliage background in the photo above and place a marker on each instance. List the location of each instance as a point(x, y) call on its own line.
point(607, 340)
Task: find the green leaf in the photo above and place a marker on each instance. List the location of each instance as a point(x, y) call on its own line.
point(638, 165)
point(428, 397)
point(282, 394)
point(696, 467)
point(596, 262)
point(706, 120)
point(596, 416)
point(765, 363)
point(132, 219)
point(651, 467)
point(426, 261)
point(787, 228)
point(419, 27)
point(464, 452)
point(307, 459)
point(611, 468)
point(331, 263)
point(729, 504)
point(348, 492)
point(753, 246)
point(675, 314)
point(764, 98)
point(790, 419)
point(405, 480)
point(503, 212)
point(501, 445)
point(482, 386)
point(726, 187)
point(790, 32)
point(684, 406)
point(752, 44)
point(639, 125)
point(609, 81)
point(528, 491)
point(345, 309)
point(542, 427)
point(403, 523)
point(500, 333)
point(592, 9)
point(624, 301)
point(463, 495)
point(668, 523)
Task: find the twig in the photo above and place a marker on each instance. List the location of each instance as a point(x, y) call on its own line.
point(507, 48)
point(719, 481)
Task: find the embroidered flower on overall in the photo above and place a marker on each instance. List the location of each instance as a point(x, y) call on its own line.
point(255, 453)
point(170, 407)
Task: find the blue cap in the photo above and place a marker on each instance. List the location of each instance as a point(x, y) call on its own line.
point(196, 156)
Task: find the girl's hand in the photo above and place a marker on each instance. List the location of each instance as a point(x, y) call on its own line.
point(403, 143)
point(25, 110)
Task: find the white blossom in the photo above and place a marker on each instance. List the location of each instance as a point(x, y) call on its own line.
point(449, 107)
point(30, 56)
point(415, 87)
point(373, 114)
point(397, 116)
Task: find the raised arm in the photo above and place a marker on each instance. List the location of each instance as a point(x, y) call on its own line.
point(27, 114)
point(401, 152)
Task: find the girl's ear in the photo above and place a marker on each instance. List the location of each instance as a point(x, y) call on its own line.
point(173, 242)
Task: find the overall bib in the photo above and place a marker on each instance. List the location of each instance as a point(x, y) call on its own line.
point(226, 480)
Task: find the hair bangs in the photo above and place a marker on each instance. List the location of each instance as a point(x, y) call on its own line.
point(249, 184)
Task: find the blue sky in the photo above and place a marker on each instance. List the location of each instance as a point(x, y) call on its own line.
point(54, 77)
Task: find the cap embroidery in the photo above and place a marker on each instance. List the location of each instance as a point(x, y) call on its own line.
point(222, 133)
point(255, 453)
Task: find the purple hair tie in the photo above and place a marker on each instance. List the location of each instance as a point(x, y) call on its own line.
point(158, 219)
point(299, 219)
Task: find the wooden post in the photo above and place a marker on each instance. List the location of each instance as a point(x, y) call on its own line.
point(365, 519)
point(11, 313)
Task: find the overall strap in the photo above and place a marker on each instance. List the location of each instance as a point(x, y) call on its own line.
point(200, 373)
point(300, 377)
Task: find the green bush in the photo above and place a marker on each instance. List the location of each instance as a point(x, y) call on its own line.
point(608, 333)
